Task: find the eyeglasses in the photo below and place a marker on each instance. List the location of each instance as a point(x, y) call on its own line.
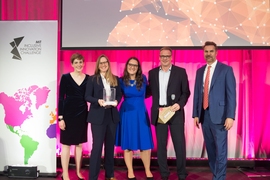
point(133, 65)
point(102, 63)
point(164, 57)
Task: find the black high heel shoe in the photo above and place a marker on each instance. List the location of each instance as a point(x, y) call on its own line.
point(134, 178)
point(80, 178)
point(150, 178)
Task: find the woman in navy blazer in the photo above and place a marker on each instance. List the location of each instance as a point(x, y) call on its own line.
point(103, 119)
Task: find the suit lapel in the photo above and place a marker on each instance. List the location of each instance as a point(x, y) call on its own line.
point(100, 82)
point(200, 74)
point(157, 77)
point(216, 74)
point(172, 74)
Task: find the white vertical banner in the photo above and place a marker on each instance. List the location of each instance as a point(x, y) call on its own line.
point(28, 88)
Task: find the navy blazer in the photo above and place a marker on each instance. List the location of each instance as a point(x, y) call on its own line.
point(222, 94)
point(94, 92)
point(177, 85)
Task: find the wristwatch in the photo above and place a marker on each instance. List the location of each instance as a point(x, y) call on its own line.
point(60, 118)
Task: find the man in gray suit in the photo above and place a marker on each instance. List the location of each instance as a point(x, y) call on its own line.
point(169, 87)
point(214, 106)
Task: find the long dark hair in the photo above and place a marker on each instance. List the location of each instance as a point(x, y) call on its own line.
point(138, 77)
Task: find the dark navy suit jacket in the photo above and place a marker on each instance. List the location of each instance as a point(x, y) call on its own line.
point(94, 92)
point(177, 85)
point(222, 94)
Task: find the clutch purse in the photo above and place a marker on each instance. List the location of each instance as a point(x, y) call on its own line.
point(165, 114)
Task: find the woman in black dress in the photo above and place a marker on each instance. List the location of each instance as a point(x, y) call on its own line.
point(72, 114)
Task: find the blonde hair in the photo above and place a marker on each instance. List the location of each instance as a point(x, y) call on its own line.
point(108, 75)
point(166, 48)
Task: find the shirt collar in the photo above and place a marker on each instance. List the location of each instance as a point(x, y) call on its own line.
point(102, 76)
point(212, 65)
point(169, 68)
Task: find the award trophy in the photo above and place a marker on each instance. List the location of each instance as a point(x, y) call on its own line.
point(109, 96)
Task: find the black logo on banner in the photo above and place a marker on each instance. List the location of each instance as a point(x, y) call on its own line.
point(15, 44)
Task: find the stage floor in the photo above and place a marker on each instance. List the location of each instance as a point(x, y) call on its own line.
point(195, 173)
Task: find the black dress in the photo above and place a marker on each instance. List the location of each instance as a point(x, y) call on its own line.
point(73, 108)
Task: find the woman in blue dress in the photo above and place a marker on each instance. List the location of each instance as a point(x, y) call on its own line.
point(133, 131)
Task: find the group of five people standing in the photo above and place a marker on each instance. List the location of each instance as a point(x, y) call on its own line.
point(131, 130)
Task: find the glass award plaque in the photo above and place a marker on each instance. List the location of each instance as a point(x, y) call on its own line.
point(109, 96)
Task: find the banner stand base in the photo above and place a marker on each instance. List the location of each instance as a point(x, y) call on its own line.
point(22, 172)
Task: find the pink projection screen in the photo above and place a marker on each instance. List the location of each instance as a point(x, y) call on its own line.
point(90, 24)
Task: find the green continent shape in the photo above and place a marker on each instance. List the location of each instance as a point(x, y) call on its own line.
point(29, 145)
point(11, 128)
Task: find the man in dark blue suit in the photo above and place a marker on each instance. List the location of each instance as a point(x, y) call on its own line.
point(214, 106)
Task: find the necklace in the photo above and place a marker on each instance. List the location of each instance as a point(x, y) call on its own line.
point(132, 84)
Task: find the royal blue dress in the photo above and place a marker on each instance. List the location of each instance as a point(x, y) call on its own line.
point(133, 131)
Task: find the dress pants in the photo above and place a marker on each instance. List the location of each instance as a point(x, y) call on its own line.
point(104, 132)
point(179, 143)
point(215, 137)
